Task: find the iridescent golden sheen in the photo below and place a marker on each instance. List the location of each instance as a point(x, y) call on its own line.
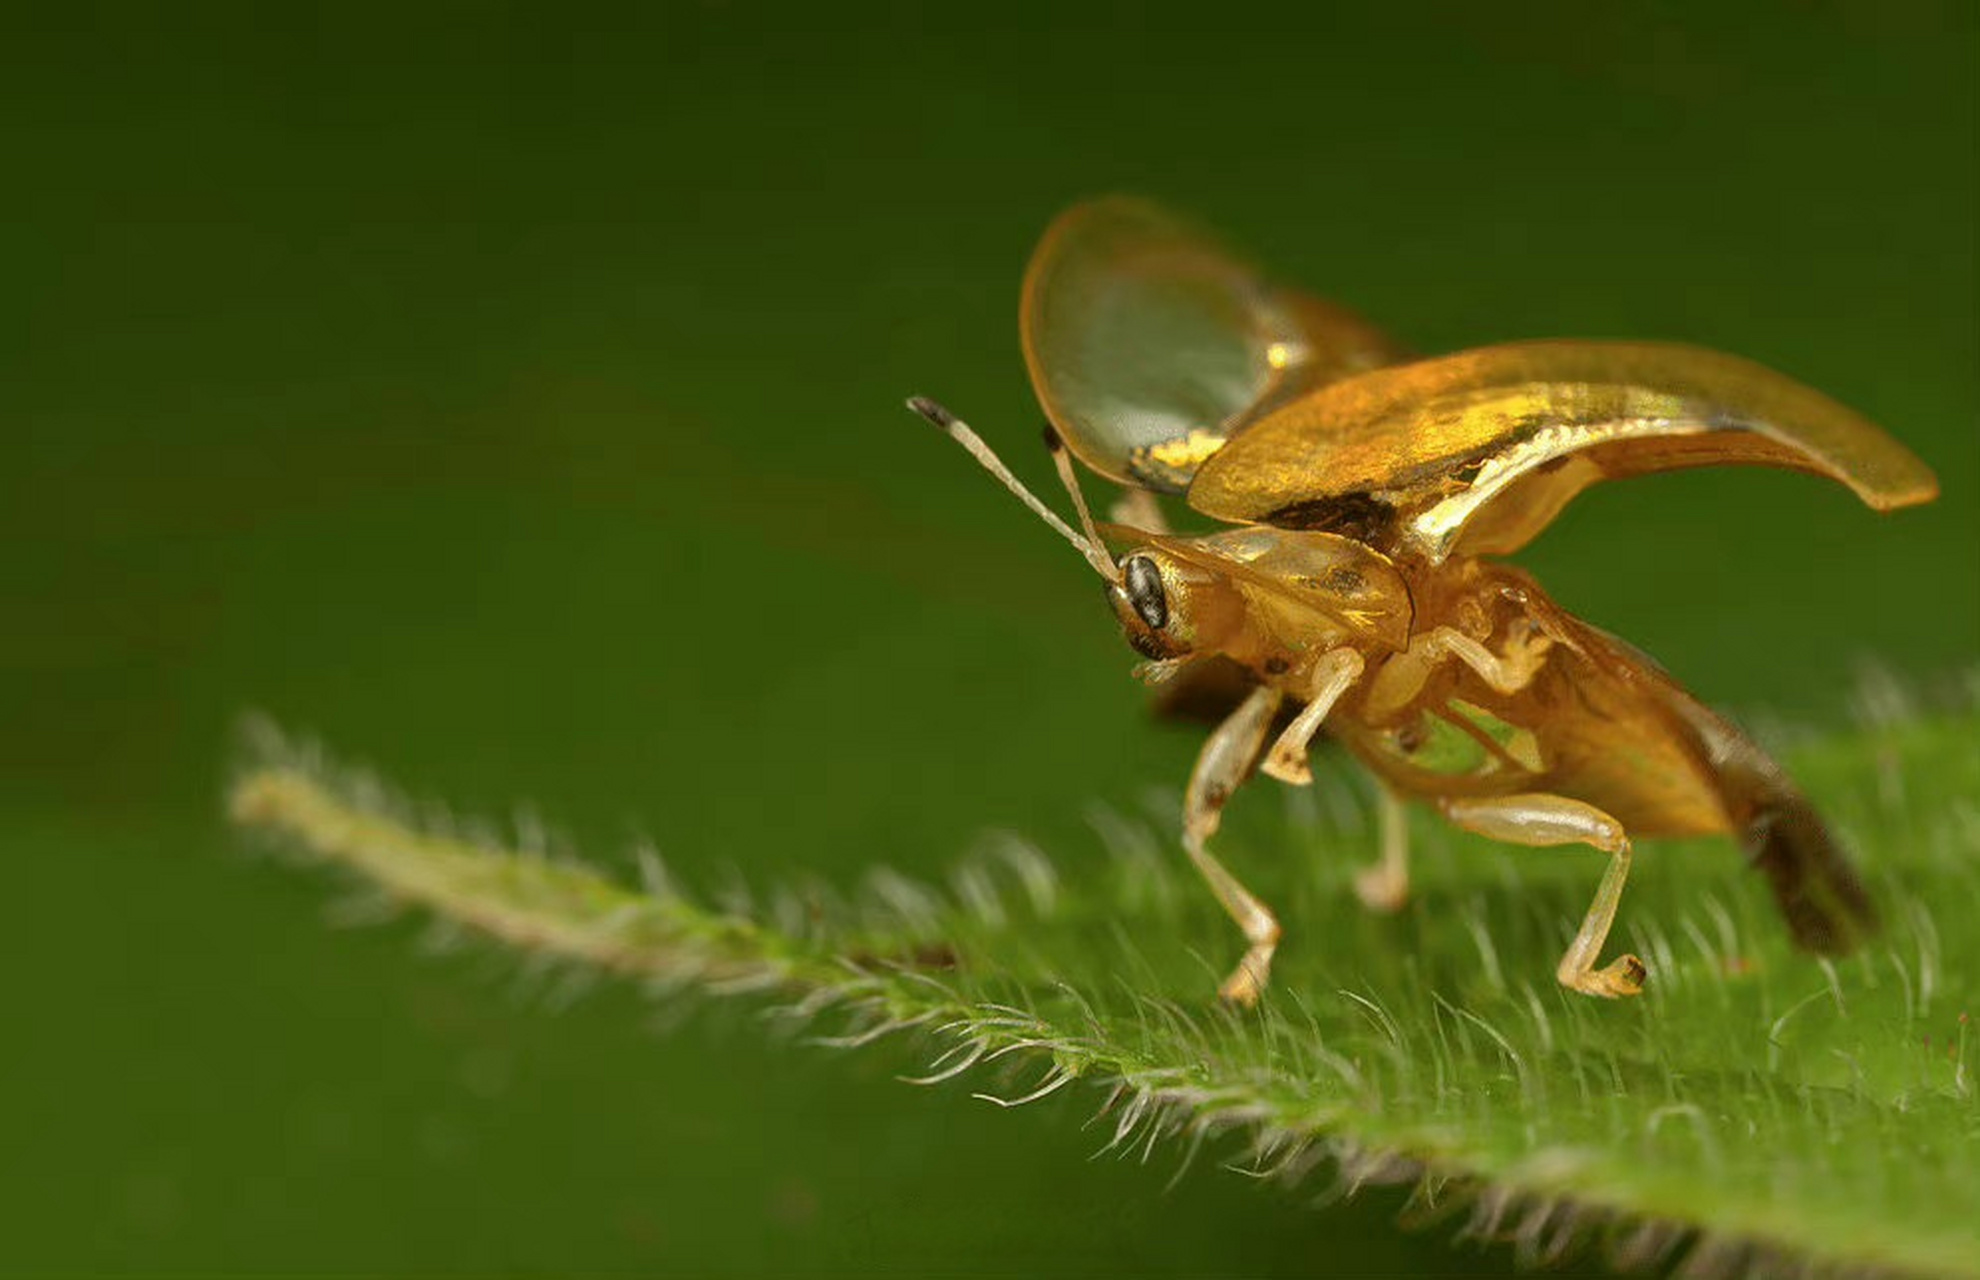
point(1366, 489)
point(1170, 464)
point(1446, 441)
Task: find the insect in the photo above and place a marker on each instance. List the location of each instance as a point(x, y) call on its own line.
point(1365, 497)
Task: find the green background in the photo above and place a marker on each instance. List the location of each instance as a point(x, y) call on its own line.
point(512, 398)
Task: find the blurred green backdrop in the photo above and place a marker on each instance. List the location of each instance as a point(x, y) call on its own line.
point(512, 396)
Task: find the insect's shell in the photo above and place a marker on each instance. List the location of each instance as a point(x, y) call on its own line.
point(1167, 362)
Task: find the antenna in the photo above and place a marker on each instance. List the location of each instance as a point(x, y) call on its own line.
point(1055, 444)
point(1088, 544)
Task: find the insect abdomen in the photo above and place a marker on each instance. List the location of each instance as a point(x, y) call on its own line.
point(1825, 904)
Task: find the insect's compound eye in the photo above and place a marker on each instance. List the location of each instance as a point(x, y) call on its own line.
point(1144, 591)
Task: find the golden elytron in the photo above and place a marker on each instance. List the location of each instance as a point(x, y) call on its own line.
point(1364, 491)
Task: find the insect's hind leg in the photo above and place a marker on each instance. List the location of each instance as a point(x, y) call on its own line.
point(1226, 758)
point(1544, 820)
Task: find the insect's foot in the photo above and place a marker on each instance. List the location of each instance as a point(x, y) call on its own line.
point(1288, 767)
point(1246, 983)
point(1623, 976)
point(1382, 888)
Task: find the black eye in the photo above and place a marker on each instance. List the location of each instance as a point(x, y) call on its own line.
point(1144, 592)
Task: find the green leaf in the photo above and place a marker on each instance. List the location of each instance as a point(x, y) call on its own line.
point(1754, 1107)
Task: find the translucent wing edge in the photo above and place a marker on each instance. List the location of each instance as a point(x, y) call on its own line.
point(1304, 341)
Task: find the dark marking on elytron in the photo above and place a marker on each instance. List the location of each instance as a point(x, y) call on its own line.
point(1277, 666)
point(1343, 581)
point(1359, 516)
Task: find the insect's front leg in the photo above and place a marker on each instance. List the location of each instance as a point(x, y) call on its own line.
point(1222, 764)
point(1333, 675)
point(1543, 820)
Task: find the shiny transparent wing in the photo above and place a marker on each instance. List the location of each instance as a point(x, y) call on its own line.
point(1150, 344)
point(1477, 452)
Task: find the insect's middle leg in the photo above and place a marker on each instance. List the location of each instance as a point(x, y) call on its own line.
point(1542, 820)
point(1508, 672)
point(1383, 885)
point(1225, 759)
